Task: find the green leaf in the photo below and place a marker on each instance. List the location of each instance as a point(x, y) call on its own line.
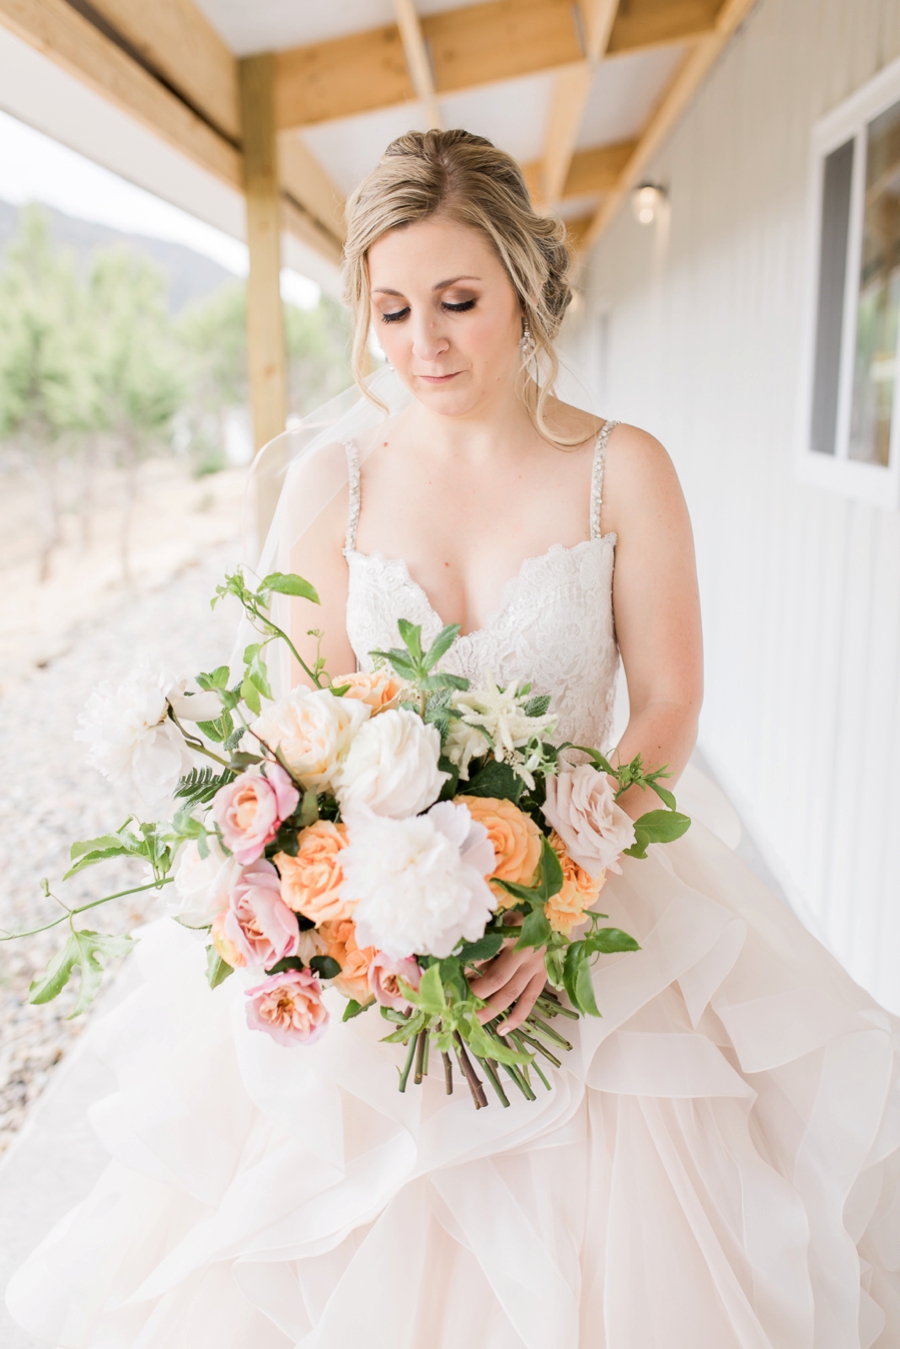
point(411, 636)
point(537, 707)
point(657, 826)
point(608, 940)
point(354, 1008)
point(215, 679)
point(664, 795)
point(535, 930)
point(431, 683)
point(217, 730)
point(551, 871)
point(289, 583)
point(441, 645)
point(200, 785)
point(448, 791)
point(217, 969)
point(452, 974)
point(484, 949)
point(308, 811)
point(496, 779)
point(84, 949)
point(250, 695)
point(241, 760)
point(430, 998)
point(399, 660)
point(600, 762)
point(521, 892)
point(326, 967)
point(584, 989)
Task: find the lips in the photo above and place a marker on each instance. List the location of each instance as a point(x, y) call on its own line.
point(439, 379)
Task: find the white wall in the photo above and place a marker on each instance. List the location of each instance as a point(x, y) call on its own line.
point(801, 588)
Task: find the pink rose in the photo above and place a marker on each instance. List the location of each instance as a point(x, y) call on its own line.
point(258, 924)
point(384, 977)
point(249, 810)
point(288, 1007)
point(581, 807)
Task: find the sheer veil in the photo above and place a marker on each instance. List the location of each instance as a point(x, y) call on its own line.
point(310, 463)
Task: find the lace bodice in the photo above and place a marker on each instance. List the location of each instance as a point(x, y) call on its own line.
point(553, 628)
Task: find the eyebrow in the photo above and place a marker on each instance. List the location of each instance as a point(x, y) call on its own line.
point(441, 285)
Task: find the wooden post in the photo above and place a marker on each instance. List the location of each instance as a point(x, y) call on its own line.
point(266, 356)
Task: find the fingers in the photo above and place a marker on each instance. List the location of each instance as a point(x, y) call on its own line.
point(513, 972)
point(494, 973)
point(524, 1003)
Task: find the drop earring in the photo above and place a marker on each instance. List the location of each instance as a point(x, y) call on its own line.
point(526, 344)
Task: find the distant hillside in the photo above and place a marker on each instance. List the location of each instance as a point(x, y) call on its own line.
point(191, 275)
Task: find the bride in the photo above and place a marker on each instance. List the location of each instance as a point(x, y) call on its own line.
point(716, 1166)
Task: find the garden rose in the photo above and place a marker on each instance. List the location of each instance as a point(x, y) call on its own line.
point(581, 807)
point(311, 881)
point(384, 980)
point(131, 739)
point(202, 884)
point(568, 908)
point(313, 729)
point(223, 944)
point(288, 1007)
point(379, 689)
point(515, 838)
point(249, 810)
point(391, 767)
point(258, 923)
point(418, 883)
point(341, 944)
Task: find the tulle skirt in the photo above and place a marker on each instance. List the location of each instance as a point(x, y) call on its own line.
point(715, 1167)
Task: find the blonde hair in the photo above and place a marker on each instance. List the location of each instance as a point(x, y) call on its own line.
point(468, 180)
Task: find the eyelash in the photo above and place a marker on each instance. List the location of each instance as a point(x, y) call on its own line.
point(452, 308)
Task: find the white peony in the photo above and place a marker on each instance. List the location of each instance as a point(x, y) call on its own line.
point(392, 766)
point(418, 884)
point(194, 704)
point(130, 736)
point(313, 730)
point(202, 884)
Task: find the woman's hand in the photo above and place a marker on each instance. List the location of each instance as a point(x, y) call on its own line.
point(511, 977)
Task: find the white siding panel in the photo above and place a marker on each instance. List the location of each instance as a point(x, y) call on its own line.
point(800, 587)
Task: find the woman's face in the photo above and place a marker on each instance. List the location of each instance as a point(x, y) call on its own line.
point(446, 314)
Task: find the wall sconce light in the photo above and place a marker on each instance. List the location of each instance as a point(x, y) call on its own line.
point(647, 200)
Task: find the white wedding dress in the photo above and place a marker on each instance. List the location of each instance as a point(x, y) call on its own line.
point(716, 1166)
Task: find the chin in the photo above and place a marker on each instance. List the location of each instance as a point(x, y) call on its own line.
point(450, 400)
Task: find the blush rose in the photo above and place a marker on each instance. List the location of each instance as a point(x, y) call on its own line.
point(384, 980)
point(581, 807)
point(249, 810)
point(288, 1007)
point(258, 924)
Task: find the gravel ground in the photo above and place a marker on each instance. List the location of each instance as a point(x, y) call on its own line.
point(50, 798)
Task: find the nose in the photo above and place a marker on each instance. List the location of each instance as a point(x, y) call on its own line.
point(429, 343)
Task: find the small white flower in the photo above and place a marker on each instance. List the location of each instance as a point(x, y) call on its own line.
point(131, 739)
point(463, 744)
point(194, 704)
point(202, 884)
point(500, 714)
point(391, 767)
point(418, 884)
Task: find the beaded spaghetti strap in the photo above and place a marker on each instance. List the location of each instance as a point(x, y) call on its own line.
point(596, 477)
point(353, 483)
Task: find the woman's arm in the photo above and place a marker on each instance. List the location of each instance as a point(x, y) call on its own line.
point(656, 606)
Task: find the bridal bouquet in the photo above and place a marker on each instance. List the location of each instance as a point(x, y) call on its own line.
point(385, 833)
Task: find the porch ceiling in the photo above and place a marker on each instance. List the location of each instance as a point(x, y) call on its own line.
point(580, 93)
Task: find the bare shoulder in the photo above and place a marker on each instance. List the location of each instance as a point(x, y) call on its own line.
point(639, 479)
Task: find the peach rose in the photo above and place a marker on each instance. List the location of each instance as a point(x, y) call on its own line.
point(223, 943)
point(288, 1007)
point(384, 980)
point(378, 690)
point(249, 810)
point(340, 944)
point(516, 840)
point(568, 908)
point(311, 881)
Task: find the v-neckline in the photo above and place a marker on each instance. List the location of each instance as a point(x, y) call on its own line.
point(509, 588)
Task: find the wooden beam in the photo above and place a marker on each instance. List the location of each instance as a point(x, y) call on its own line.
point(647, 23)
point(179, 42)
point(305, 181)
point(570, 96)
point(679, 94)
point(70, 40)
point(297, 220)
point(342, 77)
point(266, 356)
point(597, 169)
point(417, 61)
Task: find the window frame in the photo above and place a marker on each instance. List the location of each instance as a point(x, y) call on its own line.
point(874, 483)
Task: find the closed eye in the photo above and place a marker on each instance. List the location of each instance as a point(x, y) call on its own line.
point(396, 316)
point(460, 308)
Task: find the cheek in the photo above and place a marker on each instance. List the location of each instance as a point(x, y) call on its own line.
point(393, 338)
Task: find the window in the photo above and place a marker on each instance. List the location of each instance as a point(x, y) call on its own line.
point(851, 433)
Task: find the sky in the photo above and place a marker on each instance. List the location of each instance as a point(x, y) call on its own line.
point(35, 168)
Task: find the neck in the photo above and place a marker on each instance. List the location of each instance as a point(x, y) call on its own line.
point(492, 429)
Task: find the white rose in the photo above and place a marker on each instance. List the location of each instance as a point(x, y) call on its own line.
point(418, 883)
point(202, 884)
point(581, 806)
point(313, 730)
point(392, 766)
point(131, 739)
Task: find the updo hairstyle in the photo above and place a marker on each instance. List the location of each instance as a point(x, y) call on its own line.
point(468, 180)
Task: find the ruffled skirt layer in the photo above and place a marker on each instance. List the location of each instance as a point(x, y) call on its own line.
point(716, 1166)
